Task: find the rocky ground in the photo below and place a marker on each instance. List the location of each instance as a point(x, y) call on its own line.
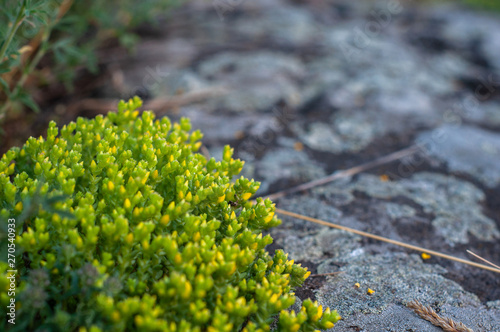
point(310, 87)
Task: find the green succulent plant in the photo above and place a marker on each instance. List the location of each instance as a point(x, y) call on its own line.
point(122, 226)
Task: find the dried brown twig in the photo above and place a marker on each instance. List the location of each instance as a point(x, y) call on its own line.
point(427, 313)
point(160, 105)
point(325, 274)
point(348, 172)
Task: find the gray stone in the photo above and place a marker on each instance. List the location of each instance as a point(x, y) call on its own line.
point(374, 187)
point(348, 132)
point(312, 207)
point(176, 51)
point(405, 102)
point(179, 82)
point(347, 97)
point(448, 66)
point(282, 24)
point(283, 163)
point(394, 278)
point(257, 82)
point(466, 149)
point(462, 27)
point(491, 46)
point(337, 194)
point(396, 211)
point(484, 114)
point(493, 304)
point(357, 129)
point(259, 65)
point(455, 203)
point(395, 318)
point(475, 318)
point(321, 137)
point(325, 241)
point(215, 127)
point(325, 75)
point(286, 142)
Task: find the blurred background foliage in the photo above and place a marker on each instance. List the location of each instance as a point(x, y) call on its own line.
point(50, 43)
point(44, 41)
point(485, 4)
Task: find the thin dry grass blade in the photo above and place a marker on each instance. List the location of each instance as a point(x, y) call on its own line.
point(383, 239)
point(161, 104)
point(484, 260)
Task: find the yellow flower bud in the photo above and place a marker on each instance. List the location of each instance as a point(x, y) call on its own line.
point(269, 217)
point(246, 196)
point(10, 170)
point(115, 316)
point(18, 207)
point(139, 320)
point(329, 325)
point(129, 238)
point(165, 220)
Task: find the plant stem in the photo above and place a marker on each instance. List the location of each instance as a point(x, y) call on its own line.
point(40, 52)
point(31, 66)
point(13, 30)
point(5, 46)
point(26, 72)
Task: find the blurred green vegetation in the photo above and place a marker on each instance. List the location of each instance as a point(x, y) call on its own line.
point(62, 35)
point(485, 4)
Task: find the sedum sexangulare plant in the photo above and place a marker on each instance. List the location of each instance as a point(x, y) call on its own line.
point(122, 226)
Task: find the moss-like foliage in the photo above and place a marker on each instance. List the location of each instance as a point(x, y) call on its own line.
point(122, 226)
point(485, 4)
